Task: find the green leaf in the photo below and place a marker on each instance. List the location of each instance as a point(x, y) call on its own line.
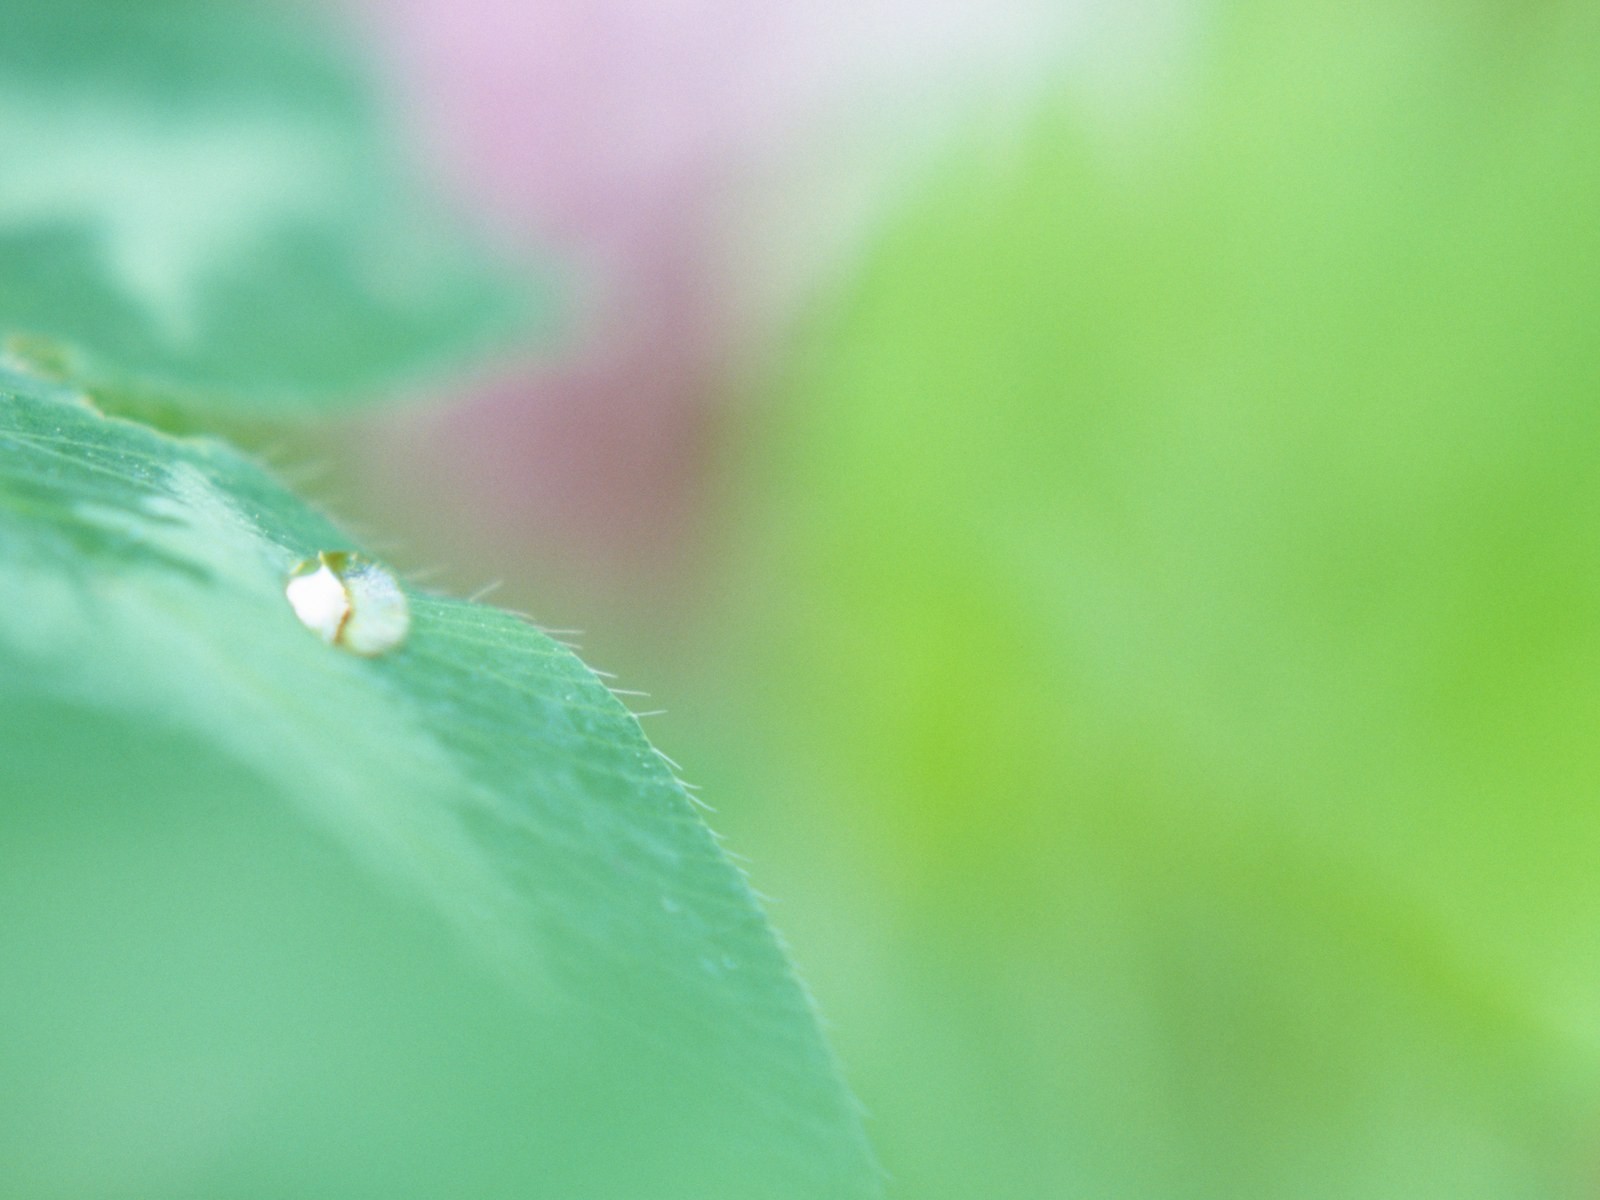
point(278, 920)
point(197, 206)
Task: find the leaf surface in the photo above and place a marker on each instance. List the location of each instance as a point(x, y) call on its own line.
point(281, 920)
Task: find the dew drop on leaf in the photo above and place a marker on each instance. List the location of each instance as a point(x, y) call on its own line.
point(349, 601)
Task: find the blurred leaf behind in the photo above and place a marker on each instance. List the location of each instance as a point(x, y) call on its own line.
point(201, 210)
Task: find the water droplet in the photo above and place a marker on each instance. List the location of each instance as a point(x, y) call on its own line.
point(349, 601)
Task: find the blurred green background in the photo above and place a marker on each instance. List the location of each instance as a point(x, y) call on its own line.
point(1152, 644)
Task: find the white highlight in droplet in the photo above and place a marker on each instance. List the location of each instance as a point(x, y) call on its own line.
point(350, 602)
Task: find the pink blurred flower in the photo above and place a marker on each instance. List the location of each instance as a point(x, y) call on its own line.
point(703, 166)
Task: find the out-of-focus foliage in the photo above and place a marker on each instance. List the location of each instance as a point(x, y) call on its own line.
point(281, 921)
point(1176, 600)
point(198, 208)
